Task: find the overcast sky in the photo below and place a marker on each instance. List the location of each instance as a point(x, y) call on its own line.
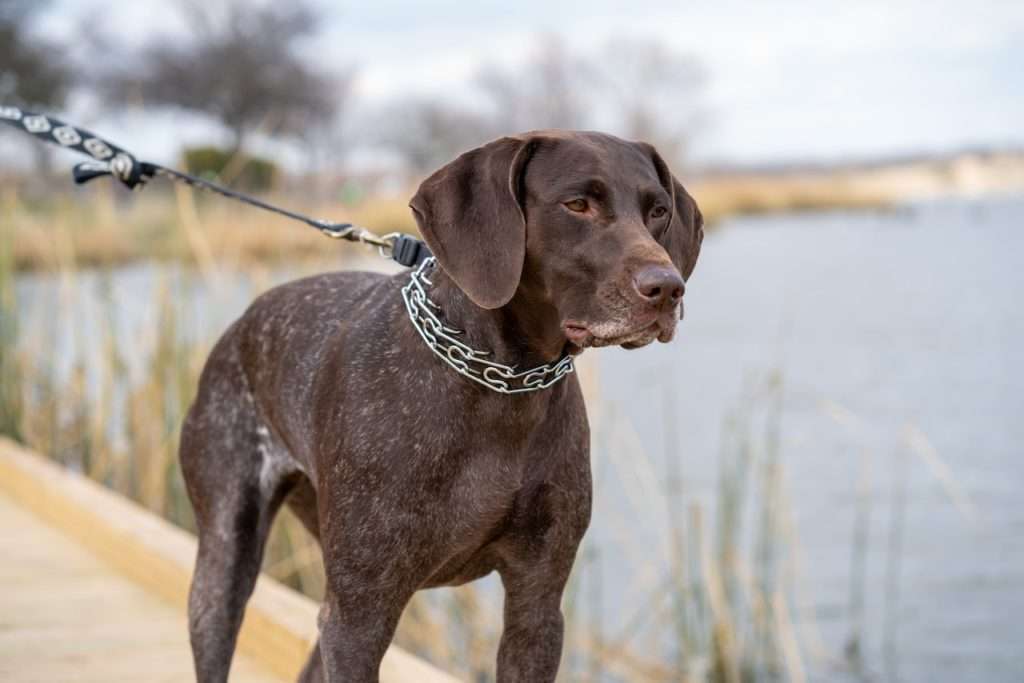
point(787, 80)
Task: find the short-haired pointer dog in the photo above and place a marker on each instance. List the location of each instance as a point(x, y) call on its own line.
point(324, 396)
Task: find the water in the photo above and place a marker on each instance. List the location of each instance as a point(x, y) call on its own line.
point(907, 321)
point(887, 330)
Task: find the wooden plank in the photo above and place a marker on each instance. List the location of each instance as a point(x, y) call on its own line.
point(65, 616)
point(279, 629)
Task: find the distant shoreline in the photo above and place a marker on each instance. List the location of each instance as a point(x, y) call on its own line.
point(98, 228)
point(860, 185)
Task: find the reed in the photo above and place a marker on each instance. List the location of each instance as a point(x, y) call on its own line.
point(713, 603)
point(104, 225)
point(11, 381)
point(721, 197)
point(121, 429)
point(108, 225)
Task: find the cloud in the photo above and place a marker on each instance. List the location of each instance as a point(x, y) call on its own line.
point(788, 79)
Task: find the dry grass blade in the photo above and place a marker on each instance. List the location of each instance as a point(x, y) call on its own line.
point(922, 447)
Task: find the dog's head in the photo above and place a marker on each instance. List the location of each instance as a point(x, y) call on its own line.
point(589, 224)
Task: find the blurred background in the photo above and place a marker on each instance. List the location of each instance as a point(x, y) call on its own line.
point(819, 480)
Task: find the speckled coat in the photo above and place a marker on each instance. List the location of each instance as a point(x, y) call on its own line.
point(323, 397)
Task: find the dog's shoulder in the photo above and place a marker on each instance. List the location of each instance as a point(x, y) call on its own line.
point(323, 294)
point(308, 307)
point(339, 284)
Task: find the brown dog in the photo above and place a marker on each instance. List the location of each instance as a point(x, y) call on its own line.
point(325, 396)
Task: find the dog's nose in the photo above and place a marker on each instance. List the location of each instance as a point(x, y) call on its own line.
point(660, 286)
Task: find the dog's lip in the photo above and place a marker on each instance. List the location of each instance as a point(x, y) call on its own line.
point(577, 333)
point(580, 335)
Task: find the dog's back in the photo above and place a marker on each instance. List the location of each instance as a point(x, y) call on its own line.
point(273, 355)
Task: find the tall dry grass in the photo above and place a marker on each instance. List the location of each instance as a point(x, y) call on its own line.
point(720, 197)
point(113, 226)
point(723, 602)
point(105, 225)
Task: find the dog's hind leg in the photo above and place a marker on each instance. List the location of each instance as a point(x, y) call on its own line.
point(302, 501)
point(236, 481)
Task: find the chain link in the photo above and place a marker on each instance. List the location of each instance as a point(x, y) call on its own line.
point(464, 359)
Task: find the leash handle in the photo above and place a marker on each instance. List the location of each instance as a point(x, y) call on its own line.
point(136, 175)
point(56, 132)
point(88, 170)
point(107, 158)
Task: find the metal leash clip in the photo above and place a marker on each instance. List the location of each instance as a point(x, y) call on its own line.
point(404, 249)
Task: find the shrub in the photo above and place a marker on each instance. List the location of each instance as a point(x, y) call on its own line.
point(213, 163)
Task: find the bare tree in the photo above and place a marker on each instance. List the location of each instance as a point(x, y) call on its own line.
point(240, 64)
point(546, 92)
point(638, 89)
point(428, 133)
point(656, 92)
point(33, 71)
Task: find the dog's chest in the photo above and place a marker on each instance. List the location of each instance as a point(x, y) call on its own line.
point(490, 503)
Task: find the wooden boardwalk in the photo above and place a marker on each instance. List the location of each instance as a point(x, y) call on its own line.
point(93, 588)
point(66, 616)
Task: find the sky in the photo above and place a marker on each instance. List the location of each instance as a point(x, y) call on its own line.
point(787, 80)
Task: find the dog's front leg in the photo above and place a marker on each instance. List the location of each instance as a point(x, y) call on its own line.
point(531, 642)
point(354, 635)
point(536, 556)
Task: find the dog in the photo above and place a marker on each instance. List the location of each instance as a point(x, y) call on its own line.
point(326, 397)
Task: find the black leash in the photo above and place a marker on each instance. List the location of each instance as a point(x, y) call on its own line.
point(107, 159)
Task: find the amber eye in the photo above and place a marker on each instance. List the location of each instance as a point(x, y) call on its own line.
point(659, 212)
point(576, 205)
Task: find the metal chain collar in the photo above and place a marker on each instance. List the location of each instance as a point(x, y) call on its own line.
point(464, 359)
point(109, 159)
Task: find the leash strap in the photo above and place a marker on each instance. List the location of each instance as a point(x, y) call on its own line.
point(107, 159)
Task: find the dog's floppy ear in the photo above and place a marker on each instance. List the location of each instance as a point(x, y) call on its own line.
point(470, 213)
point(685, 232)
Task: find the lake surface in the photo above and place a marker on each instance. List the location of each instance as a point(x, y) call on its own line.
point(895, 340)
point(894, 323)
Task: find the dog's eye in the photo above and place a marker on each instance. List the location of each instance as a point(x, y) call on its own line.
point(659, 212)
point(577, 205)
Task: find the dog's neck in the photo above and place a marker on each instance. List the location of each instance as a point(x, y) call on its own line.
point(525, 332)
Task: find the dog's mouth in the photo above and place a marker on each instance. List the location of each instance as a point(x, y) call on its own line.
point(627, 334)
